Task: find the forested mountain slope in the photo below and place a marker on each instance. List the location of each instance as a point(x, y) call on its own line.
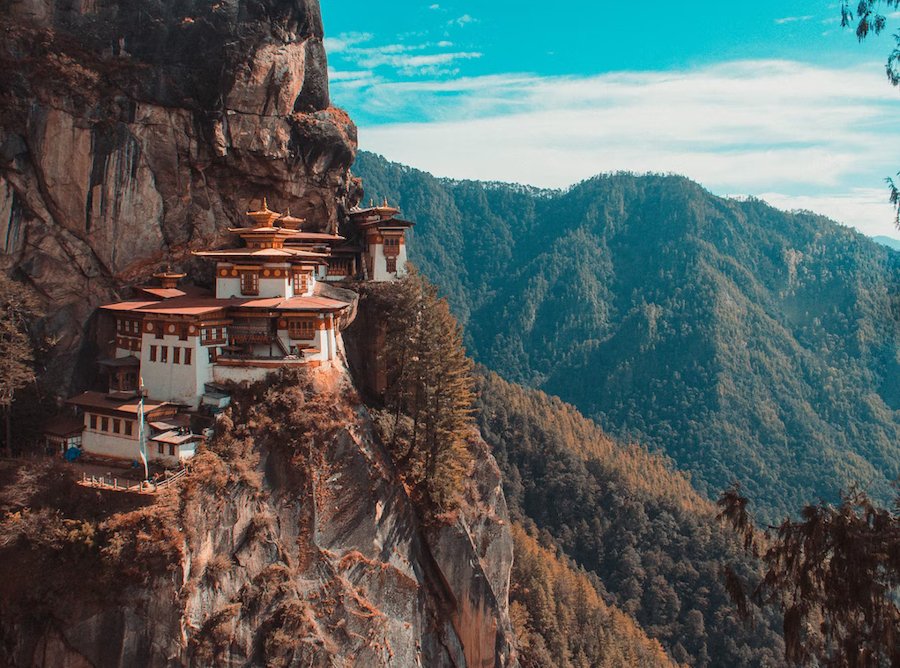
point(747, 343)
point(629, 520)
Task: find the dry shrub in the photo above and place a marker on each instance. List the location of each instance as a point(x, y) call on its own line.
point(145, 541)
point(290, 626)
point(211, 642)
point(216, 567)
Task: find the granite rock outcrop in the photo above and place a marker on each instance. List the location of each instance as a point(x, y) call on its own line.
point(291, 543)
point(131, 133)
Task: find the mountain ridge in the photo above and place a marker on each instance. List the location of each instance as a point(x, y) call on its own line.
point(748, 343)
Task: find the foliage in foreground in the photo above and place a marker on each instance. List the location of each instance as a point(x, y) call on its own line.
point(834, 575)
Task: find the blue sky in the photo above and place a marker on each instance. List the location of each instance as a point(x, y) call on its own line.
point(771, 99)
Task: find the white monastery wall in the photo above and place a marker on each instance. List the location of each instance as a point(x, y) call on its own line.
point(178, 383)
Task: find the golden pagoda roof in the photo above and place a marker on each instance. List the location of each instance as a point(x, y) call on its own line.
point(290, 222)
point(261, 254)
point(262, 231)
point(265, 216)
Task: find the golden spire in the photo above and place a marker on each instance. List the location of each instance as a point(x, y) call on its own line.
point(289, 222)
point(264, 217)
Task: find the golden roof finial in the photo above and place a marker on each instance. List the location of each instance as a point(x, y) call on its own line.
point(265, 216)
point(385, 205)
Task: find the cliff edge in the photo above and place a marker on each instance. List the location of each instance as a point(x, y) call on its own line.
point(131, 133)
point(291, 543)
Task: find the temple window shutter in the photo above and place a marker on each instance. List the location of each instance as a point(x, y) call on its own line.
point(249, 283)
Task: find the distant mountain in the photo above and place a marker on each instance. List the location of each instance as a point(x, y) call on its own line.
point(890, 242)
point(747, 343)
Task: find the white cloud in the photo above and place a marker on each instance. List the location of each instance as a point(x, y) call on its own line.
point(346, 41)
point(793, 19)
point(462, 21)
point(778, 127)
point(866, 209)
point(406, 59)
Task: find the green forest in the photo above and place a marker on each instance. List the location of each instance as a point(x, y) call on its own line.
point(651, 544)
point(746, 343)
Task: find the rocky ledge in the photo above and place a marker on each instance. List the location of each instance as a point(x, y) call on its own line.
point(131, 133)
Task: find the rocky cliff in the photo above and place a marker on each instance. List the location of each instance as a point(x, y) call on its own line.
point(290, 544)
point(131, 133)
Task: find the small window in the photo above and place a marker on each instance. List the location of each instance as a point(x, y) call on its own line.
point(129, 427)
point(152, 353)
point(302, 329)
point(301, 283)
point(161, 449)
point(173, 449)
point(249, 283)
point(213, 354)
point(183, 332)
point(391, 264)
point(117, 426)
point(94, 422)
point(104, 424)
point(391, 246)
point(176, 355)
point(187, 356)
point(164, 354)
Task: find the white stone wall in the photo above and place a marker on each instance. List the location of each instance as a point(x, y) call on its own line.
point(107, 444)
point(226, 288)
point(177, 383)
point(275, 287)
point(239, 374)
point(379, 264)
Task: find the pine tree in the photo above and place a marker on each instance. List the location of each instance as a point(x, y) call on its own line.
point(430, 391)
point(834, 574)
point(18, 310)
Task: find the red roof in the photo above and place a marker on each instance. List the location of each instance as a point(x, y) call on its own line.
point(162, 293)
point(64, 426)
point(386, 223)
point(293, 304)
point(115, 402)
point(315, 236)
point(197, 306)
point(259, 253)
point(127, 306)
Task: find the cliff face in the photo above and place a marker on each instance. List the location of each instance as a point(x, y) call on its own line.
point(133, 132)
point(291, 544)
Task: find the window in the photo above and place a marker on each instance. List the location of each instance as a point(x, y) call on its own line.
point(300, 283)
point(104, 424)
point(176, 355)
point(249, 283)
point(301, 329)
point(187, 356)
point(391, 246)
point(117, 426)
point(213, 354)
point(164, 354)
point(391, 263)
point(129, 427)
point(152, 353)
point(161, 449)
point(173, 449)
point(183, 332)
point(94, 422)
